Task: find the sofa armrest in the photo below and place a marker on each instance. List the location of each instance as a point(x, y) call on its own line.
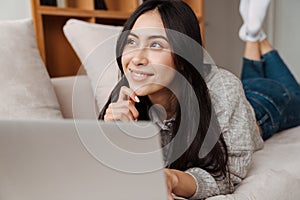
point(75, 97)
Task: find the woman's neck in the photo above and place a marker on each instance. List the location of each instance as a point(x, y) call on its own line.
point(166, 99)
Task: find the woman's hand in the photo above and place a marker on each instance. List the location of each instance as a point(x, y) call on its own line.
point(124, 108)
point(179, 183)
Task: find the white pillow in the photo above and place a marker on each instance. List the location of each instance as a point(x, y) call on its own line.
point(95, 46)
point(25, 87)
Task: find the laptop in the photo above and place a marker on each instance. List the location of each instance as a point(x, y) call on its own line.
point(80, 160)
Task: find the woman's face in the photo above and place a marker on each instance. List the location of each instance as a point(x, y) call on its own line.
point(147, 58)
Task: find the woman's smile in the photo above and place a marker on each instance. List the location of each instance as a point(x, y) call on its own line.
point(139, 75)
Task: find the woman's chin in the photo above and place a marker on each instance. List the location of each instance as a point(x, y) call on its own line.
point(140, 92)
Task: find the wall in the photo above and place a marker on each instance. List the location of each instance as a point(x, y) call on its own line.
point(222, 22)
point(287, 32)
point(14, 9)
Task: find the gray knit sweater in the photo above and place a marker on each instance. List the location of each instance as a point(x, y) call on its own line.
point(238, 125)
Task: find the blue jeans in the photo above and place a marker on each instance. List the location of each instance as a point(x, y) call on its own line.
point(273, 93)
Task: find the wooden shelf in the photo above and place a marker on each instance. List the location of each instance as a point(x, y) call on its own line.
point(55, 50)
point(75, 12)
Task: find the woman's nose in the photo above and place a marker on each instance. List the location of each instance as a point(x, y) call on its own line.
point(140, 57)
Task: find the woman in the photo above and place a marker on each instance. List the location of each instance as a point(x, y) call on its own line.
point(269, 85)
point(207, 149)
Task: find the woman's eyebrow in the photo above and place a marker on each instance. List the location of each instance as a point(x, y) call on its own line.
point(158, 36)
point(151, 37)
point(134, 35)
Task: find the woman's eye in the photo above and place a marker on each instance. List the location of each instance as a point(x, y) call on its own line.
point(131, 42)
point(156, 45)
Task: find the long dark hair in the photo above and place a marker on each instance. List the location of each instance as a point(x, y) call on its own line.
point(190, 133)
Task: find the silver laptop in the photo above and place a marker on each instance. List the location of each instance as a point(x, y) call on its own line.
point(80, 160)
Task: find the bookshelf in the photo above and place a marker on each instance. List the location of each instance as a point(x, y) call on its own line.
point(56, 52)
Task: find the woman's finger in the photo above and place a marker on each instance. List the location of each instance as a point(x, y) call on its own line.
point(125, 106)
point(126, 94)
point(118, 116)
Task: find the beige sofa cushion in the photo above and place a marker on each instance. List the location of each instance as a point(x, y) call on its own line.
point(26, 90)
point(95, 46)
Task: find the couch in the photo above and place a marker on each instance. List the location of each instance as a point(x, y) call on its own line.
point(273, 175)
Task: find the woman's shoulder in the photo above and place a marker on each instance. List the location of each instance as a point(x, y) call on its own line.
point(219, 76)
point(221, 82)
point(225, 89)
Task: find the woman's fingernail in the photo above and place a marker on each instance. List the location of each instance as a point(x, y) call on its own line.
point(137, 99)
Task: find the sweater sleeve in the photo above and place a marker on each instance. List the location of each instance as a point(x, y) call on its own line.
point(207, 185)
point(238, 126)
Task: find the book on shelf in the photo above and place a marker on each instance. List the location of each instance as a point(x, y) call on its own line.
point(100, 5)
point(48, 2)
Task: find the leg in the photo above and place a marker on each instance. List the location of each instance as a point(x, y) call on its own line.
point(291, 116)
point(276, 108)
point(244, 10)
point(257, 12)
point(252, 51)
point(265, 46)
point(276, 69)
point(269, 100)
point(252, 65)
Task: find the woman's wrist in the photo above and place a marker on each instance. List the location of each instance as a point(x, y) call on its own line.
point(186, 185)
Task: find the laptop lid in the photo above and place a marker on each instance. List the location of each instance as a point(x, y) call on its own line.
point(80, 160)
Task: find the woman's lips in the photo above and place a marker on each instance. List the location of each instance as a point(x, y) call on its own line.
point(138, 75)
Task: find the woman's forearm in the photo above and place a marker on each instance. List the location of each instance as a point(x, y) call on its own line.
point(186, 185)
